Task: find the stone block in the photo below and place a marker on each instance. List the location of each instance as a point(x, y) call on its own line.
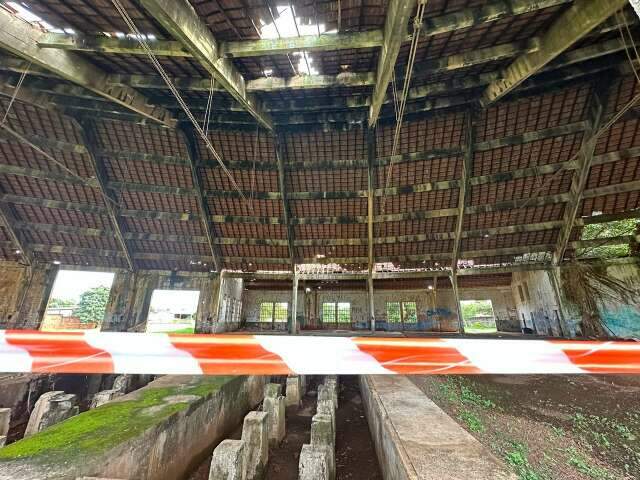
point(255, 435)
point(313, 464)
point(5, 421)
point(272, 390)
point(293, 396)
point(3, 441)
point(323, 435)
point(103, 397)
point(328, 392)
point(303, 385)
point(122, 383)
point(275, 407)
point(326, 407)
point(228, 461)
point(51, 408)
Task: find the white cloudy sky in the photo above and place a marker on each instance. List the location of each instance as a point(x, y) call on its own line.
point(70, 284)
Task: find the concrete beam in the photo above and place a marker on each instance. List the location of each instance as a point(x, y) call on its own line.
point(183, 23)
point(89, 139)
point(281, 156)
point(395, 31)
point(189, 137)
point(104, 44)
point(576, 22)
point(21, 39)
point(580, 175)
point(10, 223)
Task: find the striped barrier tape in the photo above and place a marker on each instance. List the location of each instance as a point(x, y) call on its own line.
point(159, 353)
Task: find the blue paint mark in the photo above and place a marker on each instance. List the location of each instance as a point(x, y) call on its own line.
point(623, 320)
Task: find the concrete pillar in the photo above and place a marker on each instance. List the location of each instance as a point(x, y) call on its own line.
point(294, 306)
point(119, 315)
point(122, 384)
point(51, 408)
point(40, 280)
point(313, 464)
point(275, 407)
point(372, 310)
point(256, 439)
point(293, 396)
point(207, 315)
point(228, 461)
point(5, 424)
point(328, 392)
point(323, 437)
point(272, 390)
point(456, 294)
point(103, 397)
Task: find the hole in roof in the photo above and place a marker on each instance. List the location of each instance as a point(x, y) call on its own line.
point(287, 25)
point(21, 11)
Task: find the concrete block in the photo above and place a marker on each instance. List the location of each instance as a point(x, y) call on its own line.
point(51, 408)
point(3, 441)
point(5, 421)
point(313, 464)
point(103, 397)
point(255, 435)
point(328, 392)
point(272, 390)
point(303, 385)
point(293, 391)
point(326, 407)
point(323, 435)
point(122, 383)
point(275, 407)
point(228, 461)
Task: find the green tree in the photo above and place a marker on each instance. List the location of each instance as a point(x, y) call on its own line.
point(93, 304)
point(60, 303)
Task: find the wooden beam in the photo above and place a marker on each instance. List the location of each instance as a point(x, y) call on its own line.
point(10, 223)
point(467, 171)
point(21, 39)
point(281, 156)
point(189, 136)
point(371, 185)
point(581, 174)
point(395, 30)
point(90, 138)
point(576, 22)
point(180, 19)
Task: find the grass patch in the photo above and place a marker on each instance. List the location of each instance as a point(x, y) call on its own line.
point(579, 462)
point(100, 429)
point(517, 458)
point(472, 421)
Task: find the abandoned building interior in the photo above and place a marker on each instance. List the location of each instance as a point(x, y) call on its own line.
point(380, 169)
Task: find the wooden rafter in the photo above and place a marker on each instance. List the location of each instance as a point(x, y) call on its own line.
point(281, 155)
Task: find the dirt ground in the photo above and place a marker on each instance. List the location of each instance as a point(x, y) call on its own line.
point(549, 427)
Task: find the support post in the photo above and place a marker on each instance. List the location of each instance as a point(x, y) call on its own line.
point(580, 175)
point(281, 155)
point(456, 294)
point(294, 305)
point(371, 157)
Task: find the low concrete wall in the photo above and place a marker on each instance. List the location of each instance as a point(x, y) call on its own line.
point(157, 432)
point(415, 439)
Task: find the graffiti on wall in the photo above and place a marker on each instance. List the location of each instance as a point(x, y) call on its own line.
point(622, 320)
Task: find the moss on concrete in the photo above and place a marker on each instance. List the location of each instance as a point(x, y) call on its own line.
point(107, 426)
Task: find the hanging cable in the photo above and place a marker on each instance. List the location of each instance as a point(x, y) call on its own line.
point(15, 93)
point(154, 60)
point(415, 39)
point(207, 111)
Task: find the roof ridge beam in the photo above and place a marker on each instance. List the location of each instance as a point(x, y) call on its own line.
point(21, 39)
point(180, 19)
point(395, 30)
point(576, 22)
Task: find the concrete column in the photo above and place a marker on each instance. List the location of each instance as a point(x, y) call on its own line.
point(372, 311)
point(105, 396)
point(323, 438)
point(210, 294)
point(293, 396)
point(554, 279)
point(275, 407)
point(255, 437)
point(5, 424)
point(51, 408)
point(456, 294)
point(228, 461)
point(294, 306)
point(40, 280)
point(119, 311)
point(313, 464)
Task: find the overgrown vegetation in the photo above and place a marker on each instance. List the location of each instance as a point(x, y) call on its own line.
point(516, 457)
point(589, 286)
point(93, 304)
point(606, 230)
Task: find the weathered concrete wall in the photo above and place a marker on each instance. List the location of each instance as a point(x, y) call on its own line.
point(160, 431)
point(624, 320)
point(538, 305)
point(24, 293)
point(131, 293)
point(407, 450)
point(230, 305)
point(438, 316)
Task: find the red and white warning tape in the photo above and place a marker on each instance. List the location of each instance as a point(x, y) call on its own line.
point(111, 352)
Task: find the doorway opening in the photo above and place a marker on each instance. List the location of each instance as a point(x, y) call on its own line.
point(478, 316)
point(173, 311)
